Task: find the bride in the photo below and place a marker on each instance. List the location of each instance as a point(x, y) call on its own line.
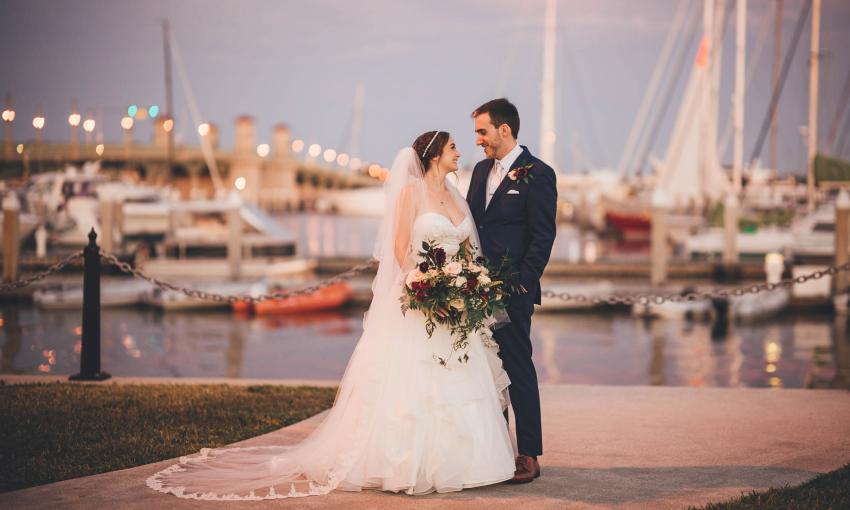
point(401, 421)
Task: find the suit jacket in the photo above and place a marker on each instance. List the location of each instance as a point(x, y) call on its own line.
point(520, 220)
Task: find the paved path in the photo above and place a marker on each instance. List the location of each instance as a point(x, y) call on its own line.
point(606, 447)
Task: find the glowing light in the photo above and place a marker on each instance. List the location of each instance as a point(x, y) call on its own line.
point(298, 145)
point(153, 111)
point(20, 148)
point(88, 125)
point(99, 149)
point(314, 150)
point(74, 119)
point(330, 155)
point(38, 122)
point(240, 183)
point(263, 150)
point(355, 164)
point(374, 169)
point(770, 368)
point(127, 123)
point(132, 110)
point(8, 115)
point(342, 159)
point(143, 114)
point(168, 125)
point(204, 129)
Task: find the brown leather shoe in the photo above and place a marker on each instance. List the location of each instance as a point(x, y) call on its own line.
point(527, 469)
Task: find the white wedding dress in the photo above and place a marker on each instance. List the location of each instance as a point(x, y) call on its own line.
point(401, 422)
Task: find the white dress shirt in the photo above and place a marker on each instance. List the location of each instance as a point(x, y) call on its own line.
point(500, 168)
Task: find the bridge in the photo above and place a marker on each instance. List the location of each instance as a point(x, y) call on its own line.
point(275, 180)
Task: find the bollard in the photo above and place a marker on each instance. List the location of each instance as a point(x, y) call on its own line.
point(90, 355)
point(11, 241)
point(842, 240)
point(658, 248)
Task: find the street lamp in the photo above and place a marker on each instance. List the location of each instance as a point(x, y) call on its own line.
point(127, 125)
point(8, 116)
point(38, 124)
point(88, 127)
point(74, 121)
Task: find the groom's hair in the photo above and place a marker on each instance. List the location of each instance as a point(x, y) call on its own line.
point(501, 112)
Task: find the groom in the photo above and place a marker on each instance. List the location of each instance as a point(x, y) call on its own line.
point(512, 196)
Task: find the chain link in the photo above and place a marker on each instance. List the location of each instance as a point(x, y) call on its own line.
point(213, 296)
point(627, 299)
point(721, 293)
point(55, 268)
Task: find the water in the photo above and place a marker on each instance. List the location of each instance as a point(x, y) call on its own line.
point(586, 348)
point(608, 349)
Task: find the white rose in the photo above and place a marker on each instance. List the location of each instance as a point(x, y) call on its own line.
point(453, 268)
point(475, 268)
point(460, 281)
point(458, 304)
point(484, 279)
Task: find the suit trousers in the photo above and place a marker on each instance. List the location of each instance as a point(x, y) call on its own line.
point(514, 341)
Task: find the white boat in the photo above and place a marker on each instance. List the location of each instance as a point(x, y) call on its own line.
point(196, 244)
point(691, 310)
point(171, 300)
point(751, 307)
point(67, 296)
point(367, 201)
point(710, 244)
point(589, 289)
point(814, 235)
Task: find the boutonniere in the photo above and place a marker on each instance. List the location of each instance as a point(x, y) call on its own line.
point(521, 173)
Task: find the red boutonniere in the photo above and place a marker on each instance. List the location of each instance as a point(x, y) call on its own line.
point(521, 173)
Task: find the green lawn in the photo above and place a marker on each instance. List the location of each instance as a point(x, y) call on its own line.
point(829, 491)
point(53, 432)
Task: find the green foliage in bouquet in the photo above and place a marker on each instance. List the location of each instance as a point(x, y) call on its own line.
point(459, 293)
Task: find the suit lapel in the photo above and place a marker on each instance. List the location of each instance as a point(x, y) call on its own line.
point(478, 185)
point(521, 160)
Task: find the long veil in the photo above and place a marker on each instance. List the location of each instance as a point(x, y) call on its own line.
point(371, 407)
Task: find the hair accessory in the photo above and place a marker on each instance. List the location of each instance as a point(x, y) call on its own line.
point(429, 144)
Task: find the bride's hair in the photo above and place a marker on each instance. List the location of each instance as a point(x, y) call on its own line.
point(427, 145)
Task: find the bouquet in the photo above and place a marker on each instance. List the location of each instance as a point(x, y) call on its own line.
point(459, 293)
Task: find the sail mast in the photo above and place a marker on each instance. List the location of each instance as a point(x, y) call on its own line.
point(169, 94)
point(814, 60)
point(547, 117)
point(738, 114)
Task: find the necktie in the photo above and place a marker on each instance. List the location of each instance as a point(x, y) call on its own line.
point(493, 181)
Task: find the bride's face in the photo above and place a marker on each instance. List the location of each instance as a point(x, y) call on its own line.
point(448, 159)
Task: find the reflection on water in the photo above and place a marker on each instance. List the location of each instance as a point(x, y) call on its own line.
point(610, 349)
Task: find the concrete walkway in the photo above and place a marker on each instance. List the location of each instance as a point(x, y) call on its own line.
point(606, 447)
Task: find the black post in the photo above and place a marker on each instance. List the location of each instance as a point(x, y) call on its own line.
point(90, 355)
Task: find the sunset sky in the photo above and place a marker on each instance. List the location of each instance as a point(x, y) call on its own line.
point(422, 66)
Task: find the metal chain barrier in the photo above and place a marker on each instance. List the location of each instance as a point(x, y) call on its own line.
point(643, 299)
point(200, 294)
point(55, 268)
point(717, 293)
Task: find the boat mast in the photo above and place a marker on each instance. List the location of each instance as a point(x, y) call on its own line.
point(547, 117)
point(738, 114)
point(777, 58)
point(814, 60)
point(169, 94)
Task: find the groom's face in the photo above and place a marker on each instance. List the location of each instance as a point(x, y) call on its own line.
point(488, 137)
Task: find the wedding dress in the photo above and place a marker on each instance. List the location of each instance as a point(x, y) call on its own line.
point(401, 421)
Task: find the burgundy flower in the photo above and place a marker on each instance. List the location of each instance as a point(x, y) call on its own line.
point(423, 267)
point(521, 173)
point(471, 283)
point(440, 256)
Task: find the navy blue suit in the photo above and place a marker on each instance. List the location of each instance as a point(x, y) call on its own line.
point(520, 225)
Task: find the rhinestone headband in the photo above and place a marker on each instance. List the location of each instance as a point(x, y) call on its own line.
point(429, 144)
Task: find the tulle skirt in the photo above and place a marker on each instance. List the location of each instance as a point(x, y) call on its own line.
point(401, 422)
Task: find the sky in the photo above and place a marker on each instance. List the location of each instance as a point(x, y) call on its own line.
point(421, 66)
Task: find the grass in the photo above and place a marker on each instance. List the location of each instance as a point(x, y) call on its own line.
point(53, 432)
point(829, 491)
